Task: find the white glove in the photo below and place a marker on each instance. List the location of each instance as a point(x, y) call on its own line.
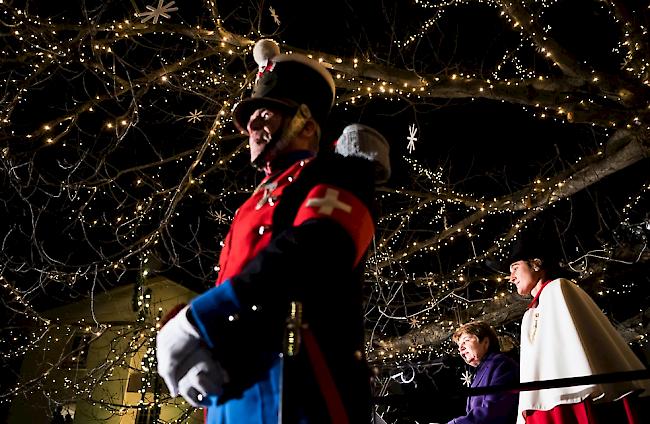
point(185, 363)
point(205, 378)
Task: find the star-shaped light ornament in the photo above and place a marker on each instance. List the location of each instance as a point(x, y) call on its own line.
point(155, 13)
point(219, 216)
point(467, 378)
point(275, 16)
point(412, 138)
point(195, 116)
point(414, 322)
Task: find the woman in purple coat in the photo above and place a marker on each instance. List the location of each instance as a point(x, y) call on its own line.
point(478, 345)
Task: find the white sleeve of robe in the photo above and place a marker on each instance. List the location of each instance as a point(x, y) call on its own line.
point(567, 335)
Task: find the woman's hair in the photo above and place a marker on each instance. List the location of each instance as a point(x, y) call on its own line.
point(481, 330)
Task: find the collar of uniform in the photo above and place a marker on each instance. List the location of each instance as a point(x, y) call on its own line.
point(285, 161)
point(535, 300)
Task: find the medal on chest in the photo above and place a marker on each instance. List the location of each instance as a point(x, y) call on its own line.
point(267, 196)
point(533, 328)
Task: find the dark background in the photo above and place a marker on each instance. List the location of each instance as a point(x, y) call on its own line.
point(485, 148)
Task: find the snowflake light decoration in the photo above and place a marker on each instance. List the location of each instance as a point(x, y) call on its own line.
point(195, 116)
point(412, 138)
point(275, 16)
point(219, 216)
point(467, 378)
point(156, 12)
point(414, 322)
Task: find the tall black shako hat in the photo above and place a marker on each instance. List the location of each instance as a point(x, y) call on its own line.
point(286, 81)
point(533, 245)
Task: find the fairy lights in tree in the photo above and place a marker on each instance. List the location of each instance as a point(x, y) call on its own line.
point(117, 143)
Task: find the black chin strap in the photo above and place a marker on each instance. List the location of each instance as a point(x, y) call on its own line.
point(279, 140)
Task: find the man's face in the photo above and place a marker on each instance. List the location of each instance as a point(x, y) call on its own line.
point(471, 349)
point(521, 275)
point(261, 126)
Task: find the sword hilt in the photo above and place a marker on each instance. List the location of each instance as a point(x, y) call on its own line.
point(293, 337)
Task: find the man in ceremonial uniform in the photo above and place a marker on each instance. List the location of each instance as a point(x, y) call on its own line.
point(565, 334)
point(281, 335)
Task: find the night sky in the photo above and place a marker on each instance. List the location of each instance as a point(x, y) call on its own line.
point(483, 148)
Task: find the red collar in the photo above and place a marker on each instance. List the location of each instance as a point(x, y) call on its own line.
point(286, 160)
point(532, 304)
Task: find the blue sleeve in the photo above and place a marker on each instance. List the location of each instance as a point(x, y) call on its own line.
point(213, 306)
point(497, 408)
point(275, 276)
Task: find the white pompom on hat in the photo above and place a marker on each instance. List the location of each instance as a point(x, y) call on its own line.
point(264, 50)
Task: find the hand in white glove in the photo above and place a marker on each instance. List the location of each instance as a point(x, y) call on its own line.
point(205, 378)
point(185, 363)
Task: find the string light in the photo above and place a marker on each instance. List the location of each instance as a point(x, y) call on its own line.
point(137, 204)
